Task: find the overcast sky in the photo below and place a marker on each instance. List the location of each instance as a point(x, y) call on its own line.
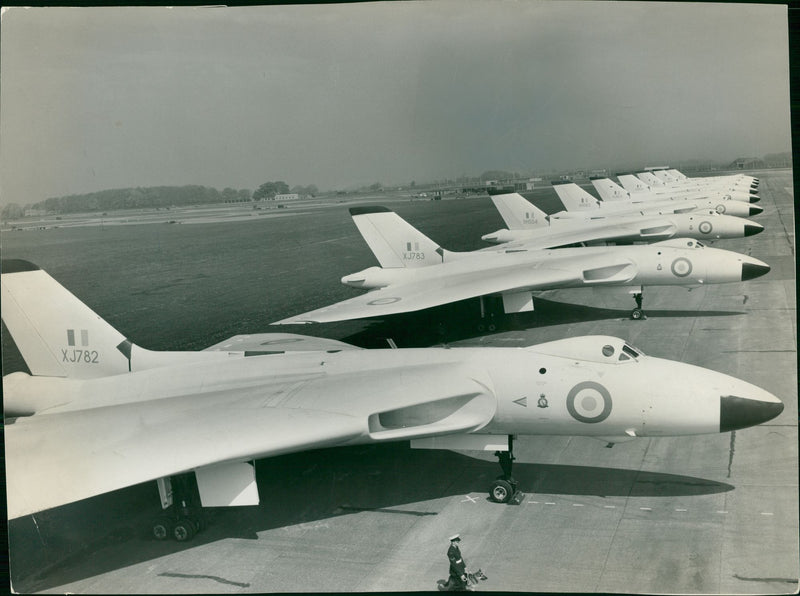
point(346, 95)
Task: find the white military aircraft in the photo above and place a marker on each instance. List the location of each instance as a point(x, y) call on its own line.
point(579, 203)
point(611, 191)
point(679, 177)
point(416, 273)
point(653, 182)
point(666, 178)
point(98, 413)
point(530, 226)
point(675, 178)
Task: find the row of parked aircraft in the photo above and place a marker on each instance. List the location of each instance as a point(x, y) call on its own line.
point(98, 413)
point(576, 247)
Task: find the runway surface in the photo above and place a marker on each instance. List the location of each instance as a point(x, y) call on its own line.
point(712, 514)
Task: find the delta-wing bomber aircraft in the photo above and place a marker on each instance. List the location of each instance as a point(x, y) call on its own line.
point(732, 183)
point(611, 191)
point(416, 273)
point(646, 183)
point(529, 226)
point(98, 413)
point(579, 203)
point(672, 177)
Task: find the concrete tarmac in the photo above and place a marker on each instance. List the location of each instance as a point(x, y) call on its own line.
point(711, 514)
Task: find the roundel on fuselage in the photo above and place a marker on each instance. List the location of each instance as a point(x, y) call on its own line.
point(705, 227)
point(589, 402)
point(681, 267)
point(720, 208)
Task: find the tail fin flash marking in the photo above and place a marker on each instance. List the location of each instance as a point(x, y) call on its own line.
point(393, 241)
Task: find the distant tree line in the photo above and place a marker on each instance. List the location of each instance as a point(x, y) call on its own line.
point(141, 197)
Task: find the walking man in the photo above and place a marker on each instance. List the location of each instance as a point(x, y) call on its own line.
point(458, 569)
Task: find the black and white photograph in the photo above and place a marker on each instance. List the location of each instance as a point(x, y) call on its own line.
point(410, 296)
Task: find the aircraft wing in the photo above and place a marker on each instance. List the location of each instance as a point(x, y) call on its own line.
point(58, 458)
point(279, 342)
point(649, 231)
point(548, 273)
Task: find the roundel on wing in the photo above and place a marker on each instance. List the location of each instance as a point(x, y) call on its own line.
point(720, 208)
point(382, 301)
point(681, 267)
point(705, 227)
point(285, 340)
point(589, 402)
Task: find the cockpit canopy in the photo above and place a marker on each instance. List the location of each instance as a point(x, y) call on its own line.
point(591, 348)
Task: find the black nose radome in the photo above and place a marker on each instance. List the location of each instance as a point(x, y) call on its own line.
point(754, 198)
point(755, 210)
point(751, 271)
point(751, 229)
point(740, 412)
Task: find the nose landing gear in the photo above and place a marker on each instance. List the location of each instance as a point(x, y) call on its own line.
point(505, 488)
point(637, 313)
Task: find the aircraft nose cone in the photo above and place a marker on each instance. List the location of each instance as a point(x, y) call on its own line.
point(753, 270)
point(741, 412)
point(751, 229)
point(755, 210)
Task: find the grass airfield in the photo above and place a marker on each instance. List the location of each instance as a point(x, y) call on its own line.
point(707, 514)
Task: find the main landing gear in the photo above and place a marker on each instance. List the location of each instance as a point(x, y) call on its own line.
point(637, 313)
point(505, 489)
point(184, 518)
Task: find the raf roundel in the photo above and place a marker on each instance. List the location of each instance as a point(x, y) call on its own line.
point(681, 267)
point(382, 301)
point(705, 227)
point(720, 208)
point(589, 402)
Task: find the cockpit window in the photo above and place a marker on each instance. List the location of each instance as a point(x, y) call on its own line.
point(623, 357)
point(608, 350)
point(699, 244)
point(630, 351)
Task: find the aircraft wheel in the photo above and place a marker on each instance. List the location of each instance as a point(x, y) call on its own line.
point(637, 313)
point(492, 327)
point(480, 327)
point(501, 491)
point(162, 528)
point(183, 530)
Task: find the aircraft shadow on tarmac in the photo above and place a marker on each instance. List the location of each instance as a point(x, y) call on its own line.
point(461, 320)
point(298, 492)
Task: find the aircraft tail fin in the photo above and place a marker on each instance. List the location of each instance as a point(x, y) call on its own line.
point(574, 197)
point(518, 213)
point(57, 334)
point(650, 178)
point(609, 190)
point(394, 241)
point(632, 184)
point(664, 176)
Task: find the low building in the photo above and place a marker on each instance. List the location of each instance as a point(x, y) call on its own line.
point(292, 196)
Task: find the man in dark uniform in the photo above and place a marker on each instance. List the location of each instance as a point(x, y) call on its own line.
point(458, 569)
